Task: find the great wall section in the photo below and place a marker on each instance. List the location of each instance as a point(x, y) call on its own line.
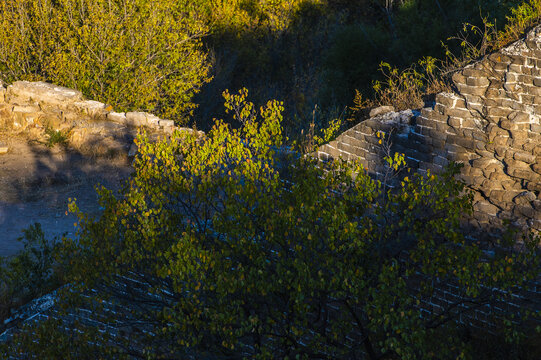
point(491, 124)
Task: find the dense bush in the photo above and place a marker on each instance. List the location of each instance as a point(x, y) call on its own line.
point(133, 54)
point(233, 247)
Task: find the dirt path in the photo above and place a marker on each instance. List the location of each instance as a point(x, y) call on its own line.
point(36, 182)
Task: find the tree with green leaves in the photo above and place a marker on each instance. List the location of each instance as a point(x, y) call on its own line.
point(231, 246)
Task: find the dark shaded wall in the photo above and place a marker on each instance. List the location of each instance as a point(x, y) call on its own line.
point(491, 124)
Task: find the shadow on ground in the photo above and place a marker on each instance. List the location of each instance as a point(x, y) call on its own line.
point(36, 183)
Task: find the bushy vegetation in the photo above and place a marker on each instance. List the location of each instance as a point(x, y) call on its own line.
point(132, 54)
point(323, 50)
point(232, 246)
point(158, 55)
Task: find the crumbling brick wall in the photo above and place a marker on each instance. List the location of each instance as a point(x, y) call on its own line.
point(491, 124)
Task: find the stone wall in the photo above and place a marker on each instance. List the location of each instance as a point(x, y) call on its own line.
point(92, 127)
point(491, 124)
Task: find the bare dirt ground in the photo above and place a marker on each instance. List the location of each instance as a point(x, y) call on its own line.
point(36, 182)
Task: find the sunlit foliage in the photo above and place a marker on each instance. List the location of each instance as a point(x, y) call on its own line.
point(233, 246)
point(132, 54)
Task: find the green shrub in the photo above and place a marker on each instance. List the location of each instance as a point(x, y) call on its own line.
point(54, 137)
point(230, 248)
point(133, 54)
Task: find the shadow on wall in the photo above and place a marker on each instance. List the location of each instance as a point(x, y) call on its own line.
point(491, 124)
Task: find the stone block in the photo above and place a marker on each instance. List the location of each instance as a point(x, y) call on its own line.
point(495, 92)
point(537, 168)
point(524, 210)
point(91, 107)
point(500, 151)
point(42, 92)
point(459, 78)
point(525, 79)
point(440, 161)
point(26, 109)
point(454, 122)
point(526, 174)
point(527, 99)
point(536, 128)
point(470, 72)
point(515, 164)
point(426, 122)
point(447, 99)
point(381, 110)
point(152, 121)
point(469, 144)
point(510, 184)
point(519, 135)
point(472, 124)
point(441, 109)
point(533, 90)
point(472, 90)
point(516, 68)
point(461, 156)
point(524, 157)
point(167, 123)
point(483, 163)
point(136, 118)
point(438, 135)
point(438, 144)
point(525, 197)
point(508, 125)
point(519, 117)
point(490, 185)
point(117, 117)
point(501, 140)
point(477, 81)
point(486, 207)
point(345, 147)
point(500, 112)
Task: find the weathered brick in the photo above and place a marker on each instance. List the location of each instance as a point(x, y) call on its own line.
point(508, 125)
point(459, 113)
point(524, 157)
point(426, 122)
point(496, 111)
point(477, 81)
point(446, 99)
point(454, 122)
point(459, 78)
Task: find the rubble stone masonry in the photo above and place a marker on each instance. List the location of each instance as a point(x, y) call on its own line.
point(93, 128)
point(491, 124)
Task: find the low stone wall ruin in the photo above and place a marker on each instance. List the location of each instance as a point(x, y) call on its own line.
point(91, 126)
